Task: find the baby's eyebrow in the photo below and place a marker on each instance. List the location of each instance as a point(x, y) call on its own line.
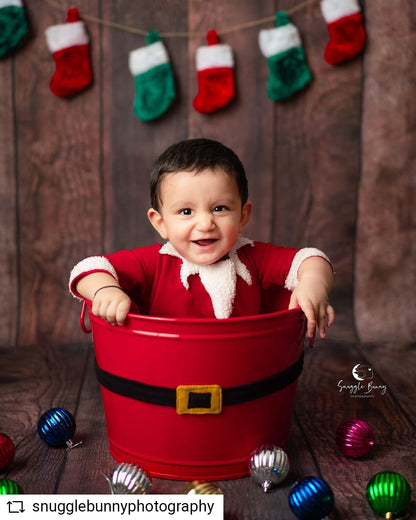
point(180, 204)
point(224, 201)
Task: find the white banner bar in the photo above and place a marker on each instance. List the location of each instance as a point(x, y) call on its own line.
point(103, 507)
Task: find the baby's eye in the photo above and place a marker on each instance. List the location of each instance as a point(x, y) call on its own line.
point(218, 209)
point(185, 211)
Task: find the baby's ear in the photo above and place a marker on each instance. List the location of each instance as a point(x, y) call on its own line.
point(245, 214)
point(157, 222)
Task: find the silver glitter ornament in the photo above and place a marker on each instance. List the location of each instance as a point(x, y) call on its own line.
point(129, 479)
point(269, 466)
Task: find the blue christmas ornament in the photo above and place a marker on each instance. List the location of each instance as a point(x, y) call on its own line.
point(311, 499)
point(56, 427)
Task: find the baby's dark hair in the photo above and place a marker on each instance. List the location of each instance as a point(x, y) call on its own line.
point(196, 155)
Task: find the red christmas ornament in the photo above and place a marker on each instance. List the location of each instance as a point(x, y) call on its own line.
point(7, 450)
point(354, 438)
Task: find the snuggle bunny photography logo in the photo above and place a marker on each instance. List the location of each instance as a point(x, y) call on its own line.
point(362, 385)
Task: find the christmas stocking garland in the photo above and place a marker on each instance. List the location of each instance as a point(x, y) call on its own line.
point(215, 73)
point(13, 26)
point(346, 30)
point(288, 70)
point(69, 45)
point(153, 78)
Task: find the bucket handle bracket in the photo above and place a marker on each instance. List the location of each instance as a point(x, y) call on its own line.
point(83, 312)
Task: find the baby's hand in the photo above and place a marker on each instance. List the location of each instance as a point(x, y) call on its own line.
point(312, 297)
point(112, 304)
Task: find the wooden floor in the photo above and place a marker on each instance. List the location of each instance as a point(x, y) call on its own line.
point(32, 380)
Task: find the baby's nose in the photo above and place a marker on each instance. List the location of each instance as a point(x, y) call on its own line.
point(205, 221)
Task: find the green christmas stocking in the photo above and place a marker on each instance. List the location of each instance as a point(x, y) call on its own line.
point(13, 26)
point(288, 70)
point(153, 78)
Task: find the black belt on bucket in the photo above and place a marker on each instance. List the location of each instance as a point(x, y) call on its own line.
point(199, 399)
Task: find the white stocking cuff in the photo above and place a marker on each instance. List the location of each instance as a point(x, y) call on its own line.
point(10, 3)
point(333, 10)
point(66, 35)
point(145, 58)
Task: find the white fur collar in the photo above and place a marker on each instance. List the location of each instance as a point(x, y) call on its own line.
point(219, 279)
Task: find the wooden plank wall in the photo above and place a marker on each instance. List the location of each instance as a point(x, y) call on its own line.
point(385, 244)
point(333, 167)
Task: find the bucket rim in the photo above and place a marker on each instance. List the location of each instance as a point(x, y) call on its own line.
point(193, 321)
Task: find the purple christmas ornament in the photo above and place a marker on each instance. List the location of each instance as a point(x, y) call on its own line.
point(354, 438)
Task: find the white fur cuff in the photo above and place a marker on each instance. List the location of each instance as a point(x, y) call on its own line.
point(214, 56)
point(9, 3)
point(307, 252)
point(90, 264)
point(145, 58)
point(278, 40)
point(335, 9)
point(66, 35)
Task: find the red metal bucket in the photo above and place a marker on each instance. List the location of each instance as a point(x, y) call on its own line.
point(192, 398)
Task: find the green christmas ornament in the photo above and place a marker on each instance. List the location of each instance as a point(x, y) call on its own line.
point(388, 494)
point(288, 70)
point(8, 487)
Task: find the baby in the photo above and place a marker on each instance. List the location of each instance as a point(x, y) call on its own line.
point(206, 268)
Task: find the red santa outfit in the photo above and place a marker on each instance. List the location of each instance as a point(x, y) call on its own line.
point(161, 282)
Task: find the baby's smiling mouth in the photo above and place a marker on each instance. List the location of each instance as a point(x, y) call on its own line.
point(204, 242)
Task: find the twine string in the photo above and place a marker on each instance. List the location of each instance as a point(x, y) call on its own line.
point(141, 32)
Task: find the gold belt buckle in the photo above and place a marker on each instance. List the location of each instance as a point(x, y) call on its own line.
point(198, 399)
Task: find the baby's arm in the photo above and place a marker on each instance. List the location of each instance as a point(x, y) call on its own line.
point(316, 278)
point(109, 301)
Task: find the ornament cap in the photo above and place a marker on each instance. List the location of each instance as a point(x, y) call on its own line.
point(72, 15)
point(70, 444)
point(282, 18)
point(266, 486)
point(212, 37)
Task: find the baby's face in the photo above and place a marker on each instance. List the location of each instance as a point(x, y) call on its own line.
point(200, 214)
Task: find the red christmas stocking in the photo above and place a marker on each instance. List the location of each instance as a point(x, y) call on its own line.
point(69, 45)
point(215, 72)
point(346, 30)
